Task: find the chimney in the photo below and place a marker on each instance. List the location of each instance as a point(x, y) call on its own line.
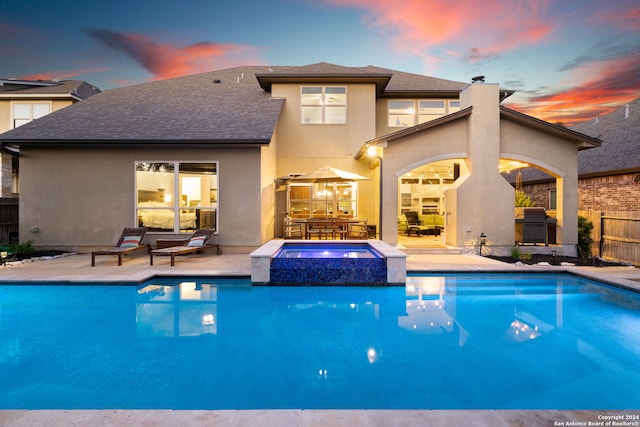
point(626, 111)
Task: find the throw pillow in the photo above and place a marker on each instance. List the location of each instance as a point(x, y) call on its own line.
point(130, 241)
point(197, 241)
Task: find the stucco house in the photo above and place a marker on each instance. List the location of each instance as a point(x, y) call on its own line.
point(218, 150)
point(22, 101)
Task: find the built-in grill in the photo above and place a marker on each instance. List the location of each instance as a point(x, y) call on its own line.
point(532, 225)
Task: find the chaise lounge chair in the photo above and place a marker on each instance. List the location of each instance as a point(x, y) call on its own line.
point(196, 243)
point(130, 241)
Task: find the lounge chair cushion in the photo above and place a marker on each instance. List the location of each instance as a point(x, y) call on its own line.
point(197, 242)
point(130, 241)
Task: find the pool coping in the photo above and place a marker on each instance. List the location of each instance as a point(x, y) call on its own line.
point(304, 418)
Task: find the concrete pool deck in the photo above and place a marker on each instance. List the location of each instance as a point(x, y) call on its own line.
point(77, 268)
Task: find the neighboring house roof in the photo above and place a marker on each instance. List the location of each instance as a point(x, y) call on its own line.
point(618, 153)
point(620, 150)
point(49, 89)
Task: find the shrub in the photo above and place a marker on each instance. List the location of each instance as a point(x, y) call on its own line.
point(517, 254)
point(23, 249)
point(523, 201)
point(584, 237)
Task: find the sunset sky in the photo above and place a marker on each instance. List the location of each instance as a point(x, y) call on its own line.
point(567, 60)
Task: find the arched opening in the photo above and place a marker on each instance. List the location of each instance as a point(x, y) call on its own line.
point(421, 201)
point(536, 192)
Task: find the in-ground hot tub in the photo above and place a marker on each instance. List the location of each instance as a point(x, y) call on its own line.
point(307, 262)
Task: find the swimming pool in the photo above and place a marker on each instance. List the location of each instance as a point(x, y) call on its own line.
point(442, 342)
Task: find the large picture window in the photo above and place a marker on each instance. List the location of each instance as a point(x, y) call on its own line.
point(177, 196)
point(323, 104)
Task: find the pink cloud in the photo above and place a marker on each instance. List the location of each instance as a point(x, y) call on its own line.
point(613, 83)
point(626, 19)
point(166, 60)
point(489, 27)
point(61, 75)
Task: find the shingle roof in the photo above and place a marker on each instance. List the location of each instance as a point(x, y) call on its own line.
point(620, 149)
point(391, 82)
point(38, 88)
point(215, 106)
point(231, 105)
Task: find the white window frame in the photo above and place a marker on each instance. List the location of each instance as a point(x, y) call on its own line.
point(414, 113)
point(324, 104)
point(176, 202)
point(31, 116)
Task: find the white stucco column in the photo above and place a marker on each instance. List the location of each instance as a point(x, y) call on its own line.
point(567, 214)
point(482, 201)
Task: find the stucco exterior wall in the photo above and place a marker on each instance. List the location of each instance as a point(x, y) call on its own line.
point(268, 204)
point(305, 147)
point(92, 191)
point(481, 200)
point(401, 156)
point(5, 108)
point(484, 201)
point(6, 123)
point(555, 156)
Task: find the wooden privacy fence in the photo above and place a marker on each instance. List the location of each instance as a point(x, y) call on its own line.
point(8, 219)
point(615, 234)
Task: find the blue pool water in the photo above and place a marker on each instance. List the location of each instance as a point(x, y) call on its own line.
point(302, 250)
point(443, 342)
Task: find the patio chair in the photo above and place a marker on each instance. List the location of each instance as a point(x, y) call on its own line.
point(130, 241)
point(341, 229)
point(358, 231)
point(322, 228)
point(197, 243)
point(292, 230)
point(409, 223)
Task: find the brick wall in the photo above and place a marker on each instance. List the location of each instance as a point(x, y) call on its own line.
point(608, 193)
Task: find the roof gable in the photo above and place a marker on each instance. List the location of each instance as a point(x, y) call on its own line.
point(389, 83)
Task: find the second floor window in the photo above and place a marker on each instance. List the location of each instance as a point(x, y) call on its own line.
point(409, 112)
point(323, 104)
point(24, 112)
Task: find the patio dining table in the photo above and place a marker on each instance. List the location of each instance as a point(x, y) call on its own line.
point(326, 227)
